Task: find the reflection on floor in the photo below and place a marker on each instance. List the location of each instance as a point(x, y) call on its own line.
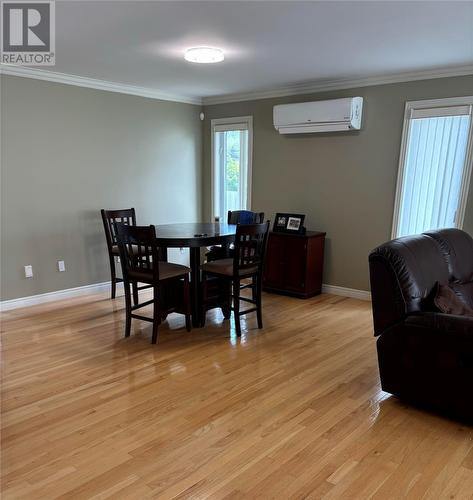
point(290, 411)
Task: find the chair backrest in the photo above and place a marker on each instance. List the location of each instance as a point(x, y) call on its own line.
point(250, 246)
point(245, 217)
point(138, 249)
point(112, 217)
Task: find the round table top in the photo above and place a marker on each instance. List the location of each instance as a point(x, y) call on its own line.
point(194, 234)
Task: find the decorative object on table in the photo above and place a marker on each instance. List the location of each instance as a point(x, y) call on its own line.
point(139, 255)
point(246, 264)
point(289, 223)
point(294, 263)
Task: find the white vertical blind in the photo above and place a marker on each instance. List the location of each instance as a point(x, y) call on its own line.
point(434, 167)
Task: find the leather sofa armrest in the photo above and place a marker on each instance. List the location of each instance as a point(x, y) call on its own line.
point(435, 332)
point(441, 323)
point(428, 358)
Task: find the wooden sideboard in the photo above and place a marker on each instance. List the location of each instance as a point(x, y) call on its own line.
point(294, 263)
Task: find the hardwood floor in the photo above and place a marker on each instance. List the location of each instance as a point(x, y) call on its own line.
point(290, 411)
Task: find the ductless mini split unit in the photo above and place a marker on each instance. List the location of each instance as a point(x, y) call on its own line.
point(334, 115)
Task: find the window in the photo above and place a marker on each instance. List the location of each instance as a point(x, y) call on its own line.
point(435, 165)
point(232, 141)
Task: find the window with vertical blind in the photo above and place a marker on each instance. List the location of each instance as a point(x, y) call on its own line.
point(232, 140)
point(435, 165)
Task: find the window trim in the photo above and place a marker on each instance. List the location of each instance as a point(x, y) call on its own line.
point(433, 103)
point(216, 123)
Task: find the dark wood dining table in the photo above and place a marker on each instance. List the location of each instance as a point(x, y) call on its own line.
point(194, 236)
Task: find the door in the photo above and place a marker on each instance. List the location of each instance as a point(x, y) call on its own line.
point(231, 165)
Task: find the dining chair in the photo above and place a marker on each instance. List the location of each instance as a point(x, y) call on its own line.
point(234, 217)
point(244, 217)
point(247, 263)
point(139, 255)
point(109, 219)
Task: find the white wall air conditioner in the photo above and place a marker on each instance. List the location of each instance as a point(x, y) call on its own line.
point(318, 116)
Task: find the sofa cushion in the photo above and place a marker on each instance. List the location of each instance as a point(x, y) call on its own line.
point(225, 267)
point(167, 270)
point(464, 291)
point(457, 249)
point(447, 301)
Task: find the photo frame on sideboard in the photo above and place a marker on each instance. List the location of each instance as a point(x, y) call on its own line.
point(289, 223)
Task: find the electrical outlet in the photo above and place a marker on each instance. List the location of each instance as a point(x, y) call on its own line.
point(117, 260)
point(61, 267)
point(28, 271)
point(181, 250)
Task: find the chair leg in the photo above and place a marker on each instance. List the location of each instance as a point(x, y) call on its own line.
point(236, 305)
point(226, 293)
point(187, 303)
point(204, 299)
point(259, 312)
point(156, 314)
point(127, 309)
point(135, 293)
point(113, 276)
point(254, 291)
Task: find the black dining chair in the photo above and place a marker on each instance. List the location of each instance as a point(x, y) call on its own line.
point(244, 217)
point(110, 218)
point(139, 255)
point(247, 263)
point(234, 217)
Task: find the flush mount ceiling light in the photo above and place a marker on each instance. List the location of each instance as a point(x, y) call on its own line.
point(204, 55)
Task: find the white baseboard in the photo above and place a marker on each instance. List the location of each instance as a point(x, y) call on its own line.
point(70, 293)
point(346, 292)
point(42, 298)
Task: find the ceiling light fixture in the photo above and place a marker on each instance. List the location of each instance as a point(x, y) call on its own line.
point(204, 55)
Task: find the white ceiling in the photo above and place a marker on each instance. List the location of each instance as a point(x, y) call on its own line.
point(267, 44)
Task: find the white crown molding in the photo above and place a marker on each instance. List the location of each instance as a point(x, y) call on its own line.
point(92, 83)
point(296, 89)
point(338, 84)
point(70, 293)
point(346, 292)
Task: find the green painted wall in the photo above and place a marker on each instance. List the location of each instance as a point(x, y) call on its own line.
point(344, 182)
point(66, 153)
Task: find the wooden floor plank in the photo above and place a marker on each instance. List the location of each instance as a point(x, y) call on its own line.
point(291, 411)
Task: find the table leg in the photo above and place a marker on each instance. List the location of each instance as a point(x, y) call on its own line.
point(195, 286)
point(163, 254)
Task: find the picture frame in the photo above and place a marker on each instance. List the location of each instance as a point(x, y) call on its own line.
point(289, 223)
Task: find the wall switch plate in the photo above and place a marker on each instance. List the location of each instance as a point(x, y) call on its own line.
point(28, 271)
point(61, 266)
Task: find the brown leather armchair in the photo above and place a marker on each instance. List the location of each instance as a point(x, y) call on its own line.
point(424, 356)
